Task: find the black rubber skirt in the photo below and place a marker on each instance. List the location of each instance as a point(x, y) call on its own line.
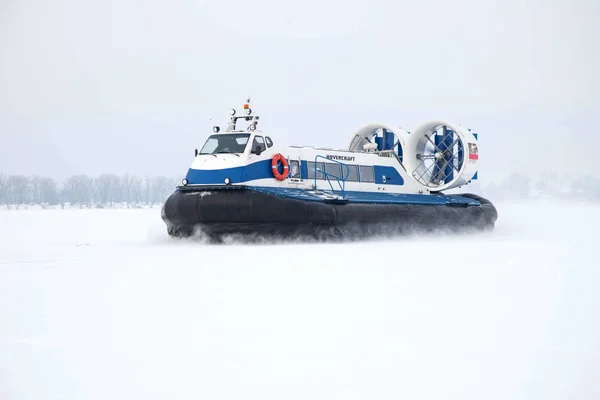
point(245, 213)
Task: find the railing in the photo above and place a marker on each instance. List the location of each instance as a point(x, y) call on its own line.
point(341, 180)
point(391, 154)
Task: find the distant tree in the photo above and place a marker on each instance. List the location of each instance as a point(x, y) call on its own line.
point(19, 187)
point(541, 184)
point(586, 187)
point(135, 189)
point(595, 190)
point(127, 189)
point(158, 185)
point(145, 190)
point(162, 187)
point(48, 191)
point(107, 187)
point(78, 190)
point(82, 190)
point(517, 185)
point(34, 186)
point(4, 189)
point(493, 190)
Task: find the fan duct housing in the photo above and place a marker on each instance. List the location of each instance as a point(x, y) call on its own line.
point(441, 155)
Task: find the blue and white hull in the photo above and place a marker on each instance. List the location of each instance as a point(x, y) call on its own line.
point(386, 181)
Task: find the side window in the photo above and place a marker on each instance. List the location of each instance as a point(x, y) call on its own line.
point(366, 173)
point(334, 170)
point(269, 141)
point(352, 173)
point(258, 142)
point(294, 169)
point(312, 170)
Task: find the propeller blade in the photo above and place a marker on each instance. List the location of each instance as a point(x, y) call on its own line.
point(441, 171)
point(437, 149)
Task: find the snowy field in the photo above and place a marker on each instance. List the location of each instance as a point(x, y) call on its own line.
point(101, 304)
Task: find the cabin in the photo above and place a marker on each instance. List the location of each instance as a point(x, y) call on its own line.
point(375, 160)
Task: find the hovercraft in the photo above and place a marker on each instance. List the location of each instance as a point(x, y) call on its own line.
point(386, 181)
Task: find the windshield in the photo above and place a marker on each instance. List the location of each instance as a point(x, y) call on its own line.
point(225, 143)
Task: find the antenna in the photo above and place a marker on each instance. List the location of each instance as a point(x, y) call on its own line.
point(248, 117)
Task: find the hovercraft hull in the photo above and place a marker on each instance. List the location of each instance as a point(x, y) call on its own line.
point(253, 212)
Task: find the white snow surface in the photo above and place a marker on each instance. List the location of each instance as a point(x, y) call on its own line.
point(102, 304)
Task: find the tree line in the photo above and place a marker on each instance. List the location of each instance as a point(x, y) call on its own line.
point(108, 190)
point(545, 185)
point(81, 190)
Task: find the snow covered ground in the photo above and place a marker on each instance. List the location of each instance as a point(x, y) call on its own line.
point(101, 304)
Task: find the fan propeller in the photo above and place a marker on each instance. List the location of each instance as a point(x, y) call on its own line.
point(441, 155)
point(385, 137)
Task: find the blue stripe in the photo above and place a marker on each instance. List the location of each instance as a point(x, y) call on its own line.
point(257, 170)
point(391, 174)
point(303, 169)
point(369, 197)
point(262, 170)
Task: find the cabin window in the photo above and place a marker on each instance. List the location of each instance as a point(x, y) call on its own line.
point(366, 173)
point(294, 169)
point(269, 141)
point(352, 173)
point(210, 146)
point(258, 142)
point(312, 170)
point(225, 143)
point(334, 170)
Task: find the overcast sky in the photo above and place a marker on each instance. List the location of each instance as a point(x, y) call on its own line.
point(135, 85)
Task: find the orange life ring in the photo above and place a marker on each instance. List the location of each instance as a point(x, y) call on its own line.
point(276, 174)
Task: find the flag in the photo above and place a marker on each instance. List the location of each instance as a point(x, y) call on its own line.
point(473, 152)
